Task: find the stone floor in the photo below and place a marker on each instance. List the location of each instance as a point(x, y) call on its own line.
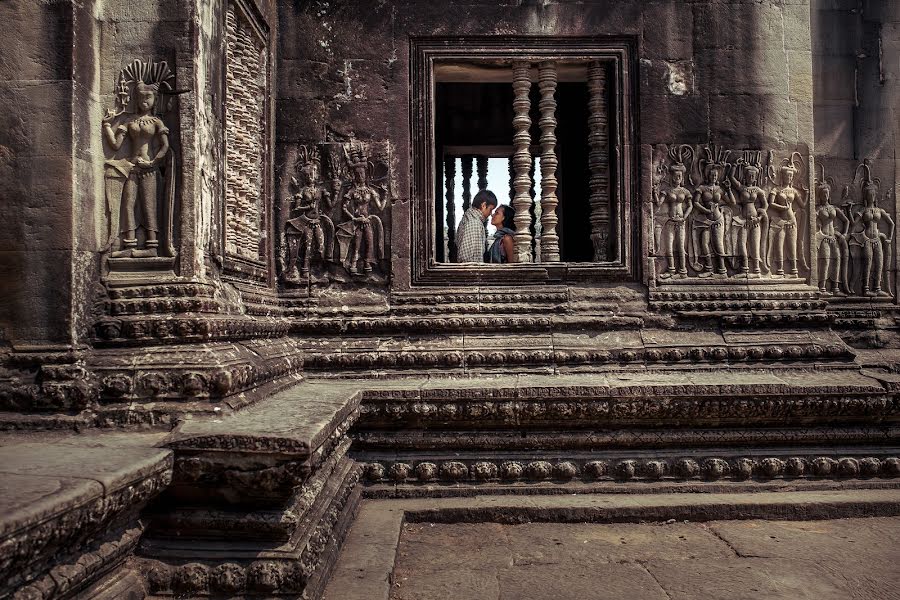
point(839, 559)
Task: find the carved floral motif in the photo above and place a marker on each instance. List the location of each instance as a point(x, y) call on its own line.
point(736, 468)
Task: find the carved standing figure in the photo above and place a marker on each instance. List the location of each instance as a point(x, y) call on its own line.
point(365, 229)
point(710, 220)
point(875, 244)
point(677, 201)
point(131, 180)
point(785, 200)
point(830, 242)
point(750, 225)
point(308, 231)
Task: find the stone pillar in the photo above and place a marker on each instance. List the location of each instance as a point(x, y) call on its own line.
point(37, 175)
point(467, 182)
point(481, 166)
point(521, 161)
point(450, 183)
point(598, 160)
point(549, 238)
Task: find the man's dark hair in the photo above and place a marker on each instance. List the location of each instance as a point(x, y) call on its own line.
point(484, 197)
point(509, 213)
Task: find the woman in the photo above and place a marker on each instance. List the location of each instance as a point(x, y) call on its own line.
point(502, 248)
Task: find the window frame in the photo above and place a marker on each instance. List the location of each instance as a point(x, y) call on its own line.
point(425, 52)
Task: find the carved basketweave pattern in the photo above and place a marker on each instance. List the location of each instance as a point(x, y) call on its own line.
point(244, 136)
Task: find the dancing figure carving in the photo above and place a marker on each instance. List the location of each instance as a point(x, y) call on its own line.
point(365, 230)
point(785, 201)
point(672, 223)
point(750, 225)
point(308, 231)
point(132, 178)
point(710, 220)
point(867, 234)
point(830, 242)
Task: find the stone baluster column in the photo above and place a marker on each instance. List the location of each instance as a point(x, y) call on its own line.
point(521, 161)
point(512, 177)
point(481, 168)
point(450, 184)
point(598, 160)
point(467, 182)
point(549, 240)
point(532, 192)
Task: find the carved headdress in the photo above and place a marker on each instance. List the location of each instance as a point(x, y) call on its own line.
point(141, 76)
point(868, 185)
point(824, 185)
point(750, 162)
point(713, 158)
point(308, 161)
point(680, 157)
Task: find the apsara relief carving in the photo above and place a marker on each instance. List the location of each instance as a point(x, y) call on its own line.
point(726, 214)
point(335, 220)
point(139, 171)
point(729, 215)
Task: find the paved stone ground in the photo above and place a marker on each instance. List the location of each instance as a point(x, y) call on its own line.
point(823, 560)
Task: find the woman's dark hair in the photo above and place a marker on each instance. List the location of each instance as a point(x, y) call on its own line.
point(484, 197)
point(509, 213)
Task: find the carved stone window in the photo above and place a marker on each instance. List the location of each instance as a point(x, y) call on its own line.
point(554, 114)
point(246, 142)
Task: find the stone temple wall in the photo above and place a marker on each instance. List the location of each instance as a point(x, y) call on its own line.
point(223, 230)
point(132, 251)
point(327, 127)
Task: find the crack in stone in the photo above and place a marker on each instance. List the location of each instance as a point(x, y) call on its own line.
point(731, 546)
point(650, 573)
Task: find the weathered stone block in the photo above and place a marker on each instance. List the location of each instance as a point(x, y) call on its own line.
point(834, 130)
point(749, 27)
point(800, 65)
point(300, 120)
point(39, 118)
point(757, 120)
point(739, 71)
point(674, 117)
point(670, 34)
point(35, 274)
point(797, 27)
point(835, 80)
point(41, 36)
point(834, 32)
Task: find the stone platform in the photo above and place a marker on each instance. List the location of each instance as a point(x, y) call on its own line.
point(71, 509)
point(680, 546)
point(256, 501)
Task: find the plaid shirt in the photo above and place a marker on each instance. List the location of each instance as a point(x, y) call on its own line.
point(471, 237)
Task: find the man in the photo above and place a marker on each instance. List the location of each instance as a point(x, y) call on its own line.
point(471, 233)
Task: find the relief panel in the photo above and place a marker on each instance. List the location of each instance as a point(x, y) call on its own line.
point(725, 214)
point(246, 136)
point(139, 173)
point(334, 222)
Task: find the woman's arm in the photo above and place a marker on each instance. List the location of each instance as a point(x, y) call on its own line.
point(507, 242)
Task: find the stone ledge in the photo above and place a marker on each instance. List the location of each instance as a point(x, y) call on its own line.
point(58, 496)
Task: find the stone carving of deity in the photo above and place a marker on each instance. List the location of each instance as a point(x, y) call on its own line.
point(133, 172)
point(831, 243)
point(710, 220)
point(750, 223)
point(365, 230)
point(867, 227)
point(308, 231)
point(785, 201)
point(675, 200)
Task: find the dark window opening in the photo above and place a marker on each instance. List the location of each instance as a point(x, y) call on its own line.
point(473, 128)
